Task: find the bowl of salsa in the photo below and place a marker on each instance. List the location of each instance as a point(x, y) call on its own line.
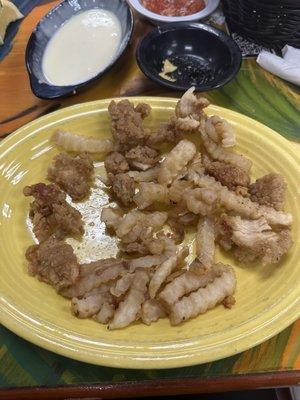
point(164, 11)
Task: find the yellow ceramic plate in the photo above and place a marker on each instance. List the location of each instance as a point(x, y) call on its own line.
point(266, 297)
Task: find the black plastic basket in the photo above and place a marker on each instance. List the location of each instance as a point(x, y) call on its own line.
point(271, 23)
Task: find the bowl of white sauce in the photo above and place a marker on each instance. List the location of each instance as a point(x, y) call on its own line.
point(76, 43)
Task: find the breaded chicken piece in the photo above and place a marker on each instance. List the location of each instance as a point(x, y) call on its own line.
point(269, 190)
point(269, 251)
point(53, 262)
point(123, 187)
point(116, 163)
point(73, 175)
point(229, 175)
point(127, 122)
point(51, 214)
point(254, 239)
point(142, 157)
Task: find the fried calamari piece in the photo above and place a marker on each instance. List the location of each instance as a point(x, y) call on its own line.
point(127, 122)
point(95, 274)
point(220, 131)
point(188, 115)
point(239, 204)
point(249, 209)
point(196, 164)
point(269, 190)
point(152, 311)
point(146, 262)
point(218, 153)
point(122, 285)
point(173, 130)
point(165, 269)
point(141, 220)
point(73, 175)
point(229, 175)
point(150, 175)
point(191, 106)
point(105, 314)
point(123, 187)
point(177, 190)
point(82, 144)
point(111, 217)
point(53, 262)
point(188, 282)
point(175, 161)
point(51, 214)
point(254, 239)
point(200, 200)
point(137, 229)
point(130, 308)
point(204, 298)
point(91, 303)
point(150, 261)
point(115, 163)
point(150, 193)
point(142, 157)
point(205, 242)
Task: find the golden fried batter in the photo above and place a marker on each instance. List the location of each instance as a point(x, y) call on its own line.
point(229, 175)
point(142, 157)
point(53, 262)
point(253, 239)
point(116, 163)
point(269, 190)
point(51, 214)
point(127, 122)
point(123, 187)
point(73, 175)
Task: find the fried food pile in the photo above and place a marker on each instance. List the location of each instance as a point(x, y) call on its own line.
point(202, 187)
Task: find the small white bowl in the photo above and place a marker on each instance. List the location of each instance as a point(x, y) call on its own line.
point(210, 6)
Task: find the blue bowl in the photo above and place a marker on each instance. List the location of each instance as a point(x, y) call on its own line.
point(47, 27)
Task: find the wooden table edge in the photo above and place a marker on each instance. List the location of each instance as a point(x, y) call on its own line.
point(159, 387)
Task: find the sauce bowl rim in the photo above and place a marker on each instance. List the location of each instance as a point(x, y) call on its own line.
point(210, 7)
point(48, 91)
point(216, 33)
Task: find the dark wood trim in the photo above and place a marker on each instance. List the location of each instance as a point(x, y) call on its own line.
point(159, 387)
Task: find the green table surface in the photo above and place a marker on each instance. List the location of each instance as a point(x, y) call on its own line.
point(254, 92)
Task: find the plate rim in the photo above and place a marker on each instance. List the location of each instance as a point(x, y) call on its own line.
point(13, 322)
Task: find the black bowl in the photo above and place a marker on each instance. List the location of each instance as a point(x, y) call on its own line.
point(206, 57)
point(49, 24)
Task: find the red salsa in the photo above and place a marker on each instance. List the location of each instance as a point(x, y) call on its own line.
point(174, 8)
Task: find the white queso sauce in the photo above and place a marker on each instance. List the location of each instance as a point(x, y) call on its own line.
point(82, 47)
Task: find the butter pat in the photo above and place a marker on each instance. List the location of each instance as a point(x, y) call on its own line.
point(8, 14)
